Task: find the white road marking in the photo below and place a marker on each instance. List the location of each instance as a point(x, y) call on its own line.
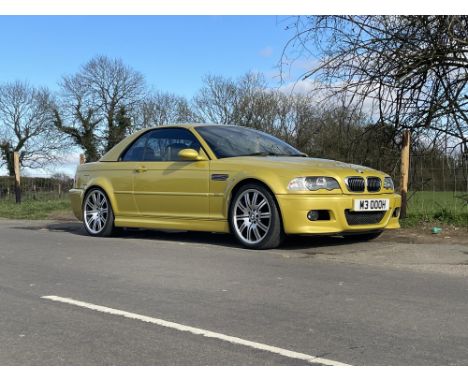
point(198, 331)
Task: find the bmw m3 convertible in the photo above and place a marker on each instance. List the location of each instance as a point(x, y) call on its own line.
point(234, 179)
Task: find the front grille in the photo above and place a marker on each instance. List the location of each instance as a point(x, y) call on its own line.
point(373, 184)
point(362, 218)
point(355, 183)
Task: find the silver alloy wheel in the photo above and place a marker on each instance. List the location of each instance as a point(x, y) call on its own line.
point(252, 216)
point(96, 211)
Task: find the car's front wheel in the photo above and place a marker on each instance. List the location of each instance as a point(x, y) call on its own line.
point(255, 219)
point(98, 217)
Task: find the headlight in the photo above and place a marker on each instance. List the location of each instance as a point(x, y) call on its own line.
point(388, 183)
point(313, 183)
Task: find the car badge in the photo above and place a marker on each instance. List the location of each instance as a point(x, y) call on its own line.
point(359, 171)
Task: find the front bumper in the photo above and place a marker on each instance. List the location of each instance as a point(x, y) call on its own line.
point(294, 209)
point(76, 199)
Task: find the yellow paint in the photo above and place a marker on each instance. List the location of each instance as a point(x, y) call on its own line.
point(182, 195)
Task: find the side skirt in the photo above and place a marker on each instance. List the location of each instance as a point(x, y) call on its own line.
point(173, 223)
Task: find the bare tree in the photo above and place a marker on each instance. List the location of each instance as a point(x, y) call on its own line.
point(77, 114)
point(26, 126)
point(216, 101)
point(412, 69)
point(162, 108)
point(248, 101)
point(245, 101)
point(91, 101)
point(256, 103)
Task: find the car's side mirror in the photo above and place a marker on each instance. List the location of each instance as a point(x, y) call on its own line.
point(190, 154)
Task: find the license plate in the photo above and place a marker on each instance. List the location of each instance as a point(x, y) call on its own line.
point(371, 204)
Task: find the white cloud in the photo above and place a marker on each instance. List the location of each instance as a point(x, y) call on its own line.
point(301, 87)
point(266, 52)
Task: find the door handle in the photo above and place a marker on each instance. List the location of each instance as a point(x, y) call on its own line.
point(141, 169)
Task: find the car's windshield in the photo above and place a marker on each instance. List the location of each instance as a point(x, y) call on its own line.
point(234, 141)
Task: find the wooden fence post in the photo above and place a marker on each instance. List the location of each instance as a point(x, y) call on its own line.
point(17, 177)
point(405, 162)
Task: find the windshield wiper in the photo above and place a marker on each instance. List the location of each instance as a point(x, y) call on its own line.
point(270, 153)
point(259, 154)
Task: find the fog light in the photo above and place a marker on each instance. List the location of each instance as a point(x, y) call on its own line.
point(396, 213)
point(313, 215)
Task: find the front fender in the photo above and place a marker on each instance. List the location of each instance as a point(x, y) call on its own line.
point(268, 178)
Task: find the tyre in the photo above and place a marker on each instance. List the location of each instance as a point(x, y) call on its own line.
point(98, 217)
point(254, 218)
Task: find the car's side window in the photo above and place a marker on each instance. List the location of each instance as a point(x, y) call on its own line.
point(161, 145)
point(136, 151)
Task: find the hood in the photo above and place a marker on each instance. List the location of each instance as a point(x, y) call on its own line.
point(305, 166)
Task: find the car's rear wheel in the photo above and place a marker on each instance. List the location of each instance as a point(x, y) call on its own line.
point(98, 217)
point(255, 219)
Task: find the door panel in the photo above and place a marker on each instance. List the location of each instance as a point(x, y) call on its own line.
point(172, 189)
point(163, 184)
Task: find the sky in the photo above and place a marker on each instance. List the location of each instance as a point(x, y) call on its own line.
point(172, 52)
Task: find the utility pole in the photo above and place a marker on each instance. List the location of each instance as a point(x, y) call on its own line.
point(405, 162)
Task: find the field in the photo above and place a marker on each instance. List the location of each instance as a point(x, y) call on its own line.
point(437, 207)
point(42, 198)
point(34, 209)
point(423, 207)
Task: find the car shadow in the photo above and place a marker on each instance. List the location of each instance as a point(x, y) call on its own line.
point(294, 242)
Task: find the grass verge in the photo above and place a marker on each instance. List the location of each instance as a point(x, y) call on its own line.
point(33, 209)
point(437, 208)
point(442, 217)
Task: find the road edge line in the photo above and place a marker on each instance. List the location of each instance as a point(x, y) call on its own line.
point(197, 331)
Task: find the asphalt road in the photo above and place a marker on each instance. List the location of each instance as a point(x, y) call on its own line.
point(316, 297)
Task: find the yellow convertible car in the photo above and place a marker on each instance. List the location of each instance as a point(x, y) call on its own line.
point(229, 179)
